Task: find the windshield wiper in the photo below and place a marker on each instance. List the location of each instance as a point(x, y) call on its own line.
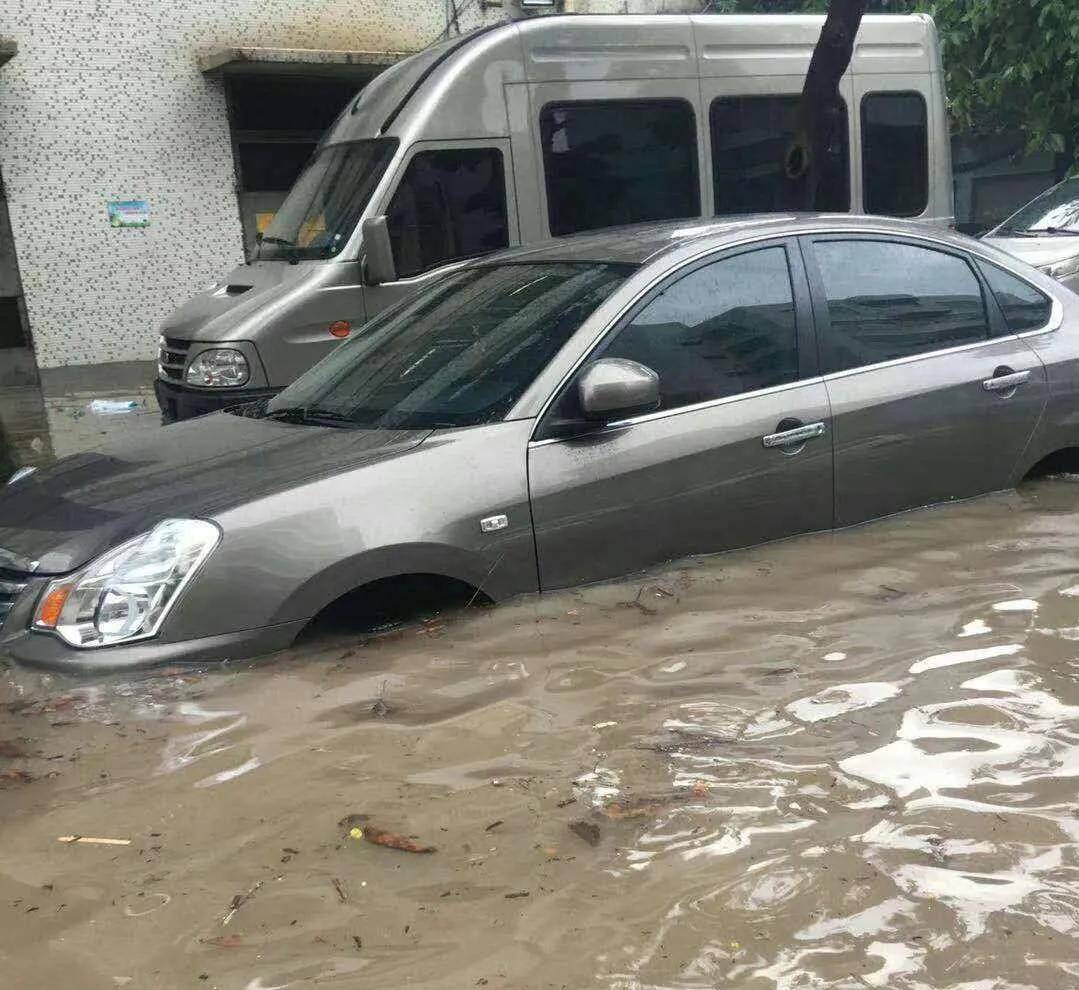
point(1034, 231)
point(310, 415)
point(270, 239)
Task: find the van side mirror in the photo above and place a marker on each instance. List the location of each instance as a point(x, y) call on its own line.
point(379, 265)
point(613, 388)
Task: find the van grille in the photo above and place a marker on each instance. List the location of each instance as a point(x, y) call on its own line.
point(172, 358)
point(12, 584)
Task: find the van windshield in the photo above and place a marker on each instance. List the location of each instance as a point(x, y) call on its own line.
point(460, 353)
point(322, 208)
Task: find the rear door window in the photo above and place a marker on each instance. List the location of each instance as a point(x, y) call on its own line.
point(750, 138)
point(618, 161)
point(889, 300)
point(895, 154)
point(727, 328)
point(451, 204)
point(1024, 307)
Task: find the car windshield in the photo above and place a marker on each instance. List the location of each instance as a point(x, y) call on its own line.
point(459, 354)
point(1055, 211)
point(322, 208)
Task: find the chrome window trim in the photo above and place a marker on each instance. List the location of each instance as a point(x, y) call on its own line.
point(1056, 316)
point(920, 356)
point(694, 407)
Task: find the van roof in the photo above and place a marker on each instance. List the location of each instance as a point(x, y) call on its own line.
point(558, 48)
point(642, 243)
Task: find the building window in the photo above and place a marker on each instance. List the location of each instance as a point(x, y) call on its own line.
point(619, 161)
point(277, 122)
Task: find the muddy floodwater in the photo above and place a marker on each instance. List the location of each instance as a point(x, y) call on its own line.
point(847, 760)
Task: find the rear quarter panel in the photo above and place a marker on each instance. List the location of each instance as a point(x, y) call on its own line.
point(1059, 351)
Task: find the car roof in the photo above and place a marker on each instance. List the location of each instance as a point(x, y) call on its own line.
point(641, 243)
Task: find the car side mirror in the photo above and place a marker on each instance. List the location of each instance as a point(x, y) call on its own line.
point(379, 265)
point(612, 388)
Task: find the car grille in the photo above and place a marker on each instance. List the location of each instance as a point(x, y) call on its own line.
point(172, 358)
point(12, 584)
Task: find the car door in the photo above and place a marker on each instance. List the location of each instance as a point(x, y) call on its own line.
point(739, 451)
point(451, 201)
point(932, 397)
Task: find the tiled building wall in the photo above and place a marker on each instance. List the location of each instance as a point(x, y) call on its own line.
point(103, 102)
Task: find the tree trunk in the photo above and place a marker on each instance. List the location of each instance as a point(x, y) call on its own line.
point(821, 111)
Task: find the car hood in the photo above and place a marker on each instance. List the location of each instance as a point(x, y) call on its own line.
point(81, 506)
point(1037, 251)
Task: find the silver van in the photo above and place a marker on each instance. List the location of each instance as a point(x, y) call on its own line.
point(539, 128)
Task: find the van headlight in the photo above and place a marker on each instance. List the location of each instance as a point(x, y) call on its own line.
point(126, 593)
point(220, 367)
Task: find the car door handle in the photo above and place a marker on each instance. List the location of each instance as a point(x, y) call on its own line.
point(1006, 383)
point(799, 434)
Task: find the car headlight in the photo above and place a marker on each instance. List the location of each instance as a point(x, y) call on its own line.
point(221, 367)
point(1062, 269)
point(126, 593)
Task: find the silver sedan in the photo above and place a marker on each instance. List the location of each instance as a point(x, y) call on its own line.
point(553, 416)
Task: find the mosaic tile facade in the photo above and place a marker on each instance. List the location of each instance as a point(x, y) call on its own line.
point(104, 101)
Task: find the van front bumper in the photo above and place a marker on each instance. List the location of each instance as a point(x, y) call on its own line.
point(36, 649)
point(179, 402)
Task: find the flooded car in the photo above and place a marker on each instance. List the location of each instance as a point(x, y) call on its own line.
point(1045, 233)
point(555, 416)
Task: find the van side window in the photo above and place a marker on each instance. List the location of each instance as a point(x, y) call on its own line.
point(895, 154)
point(889, 300)
point(619, 161)
point(1023, 306)
point(451, 204)
point(750, 136)
point(726, 328)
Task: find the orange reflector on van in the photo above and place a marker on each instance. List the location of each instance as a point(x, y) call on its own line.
point(48, 612)
point(342, 328)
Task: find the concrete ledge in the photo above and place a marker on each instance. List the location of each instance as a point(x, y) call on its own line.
point(98, 380)
point(308, 61)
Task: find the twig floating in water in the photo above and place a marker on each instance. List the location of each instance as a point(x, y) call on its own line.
point(90, 841)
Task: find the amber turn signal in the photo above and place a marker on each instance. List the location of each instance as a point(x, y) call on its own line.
point(48, 612)
point(341, 328)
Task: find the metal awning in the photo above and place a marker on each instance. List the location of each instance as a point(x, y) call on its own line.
point(301, 61)
point(8, 50)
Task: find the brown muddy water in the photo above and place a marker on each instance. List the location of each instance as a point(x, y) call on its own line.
point(848, 760)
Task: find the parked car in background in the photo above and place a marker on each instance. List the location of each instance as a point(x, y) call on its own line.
point(552, 416)
point(544, 127)
point(1045, 233)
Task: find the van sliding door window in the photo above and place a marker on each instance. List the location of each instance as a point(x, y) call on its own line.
point(750, 138)
point(451, 204)
point(619, 161)
point(895, 154)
